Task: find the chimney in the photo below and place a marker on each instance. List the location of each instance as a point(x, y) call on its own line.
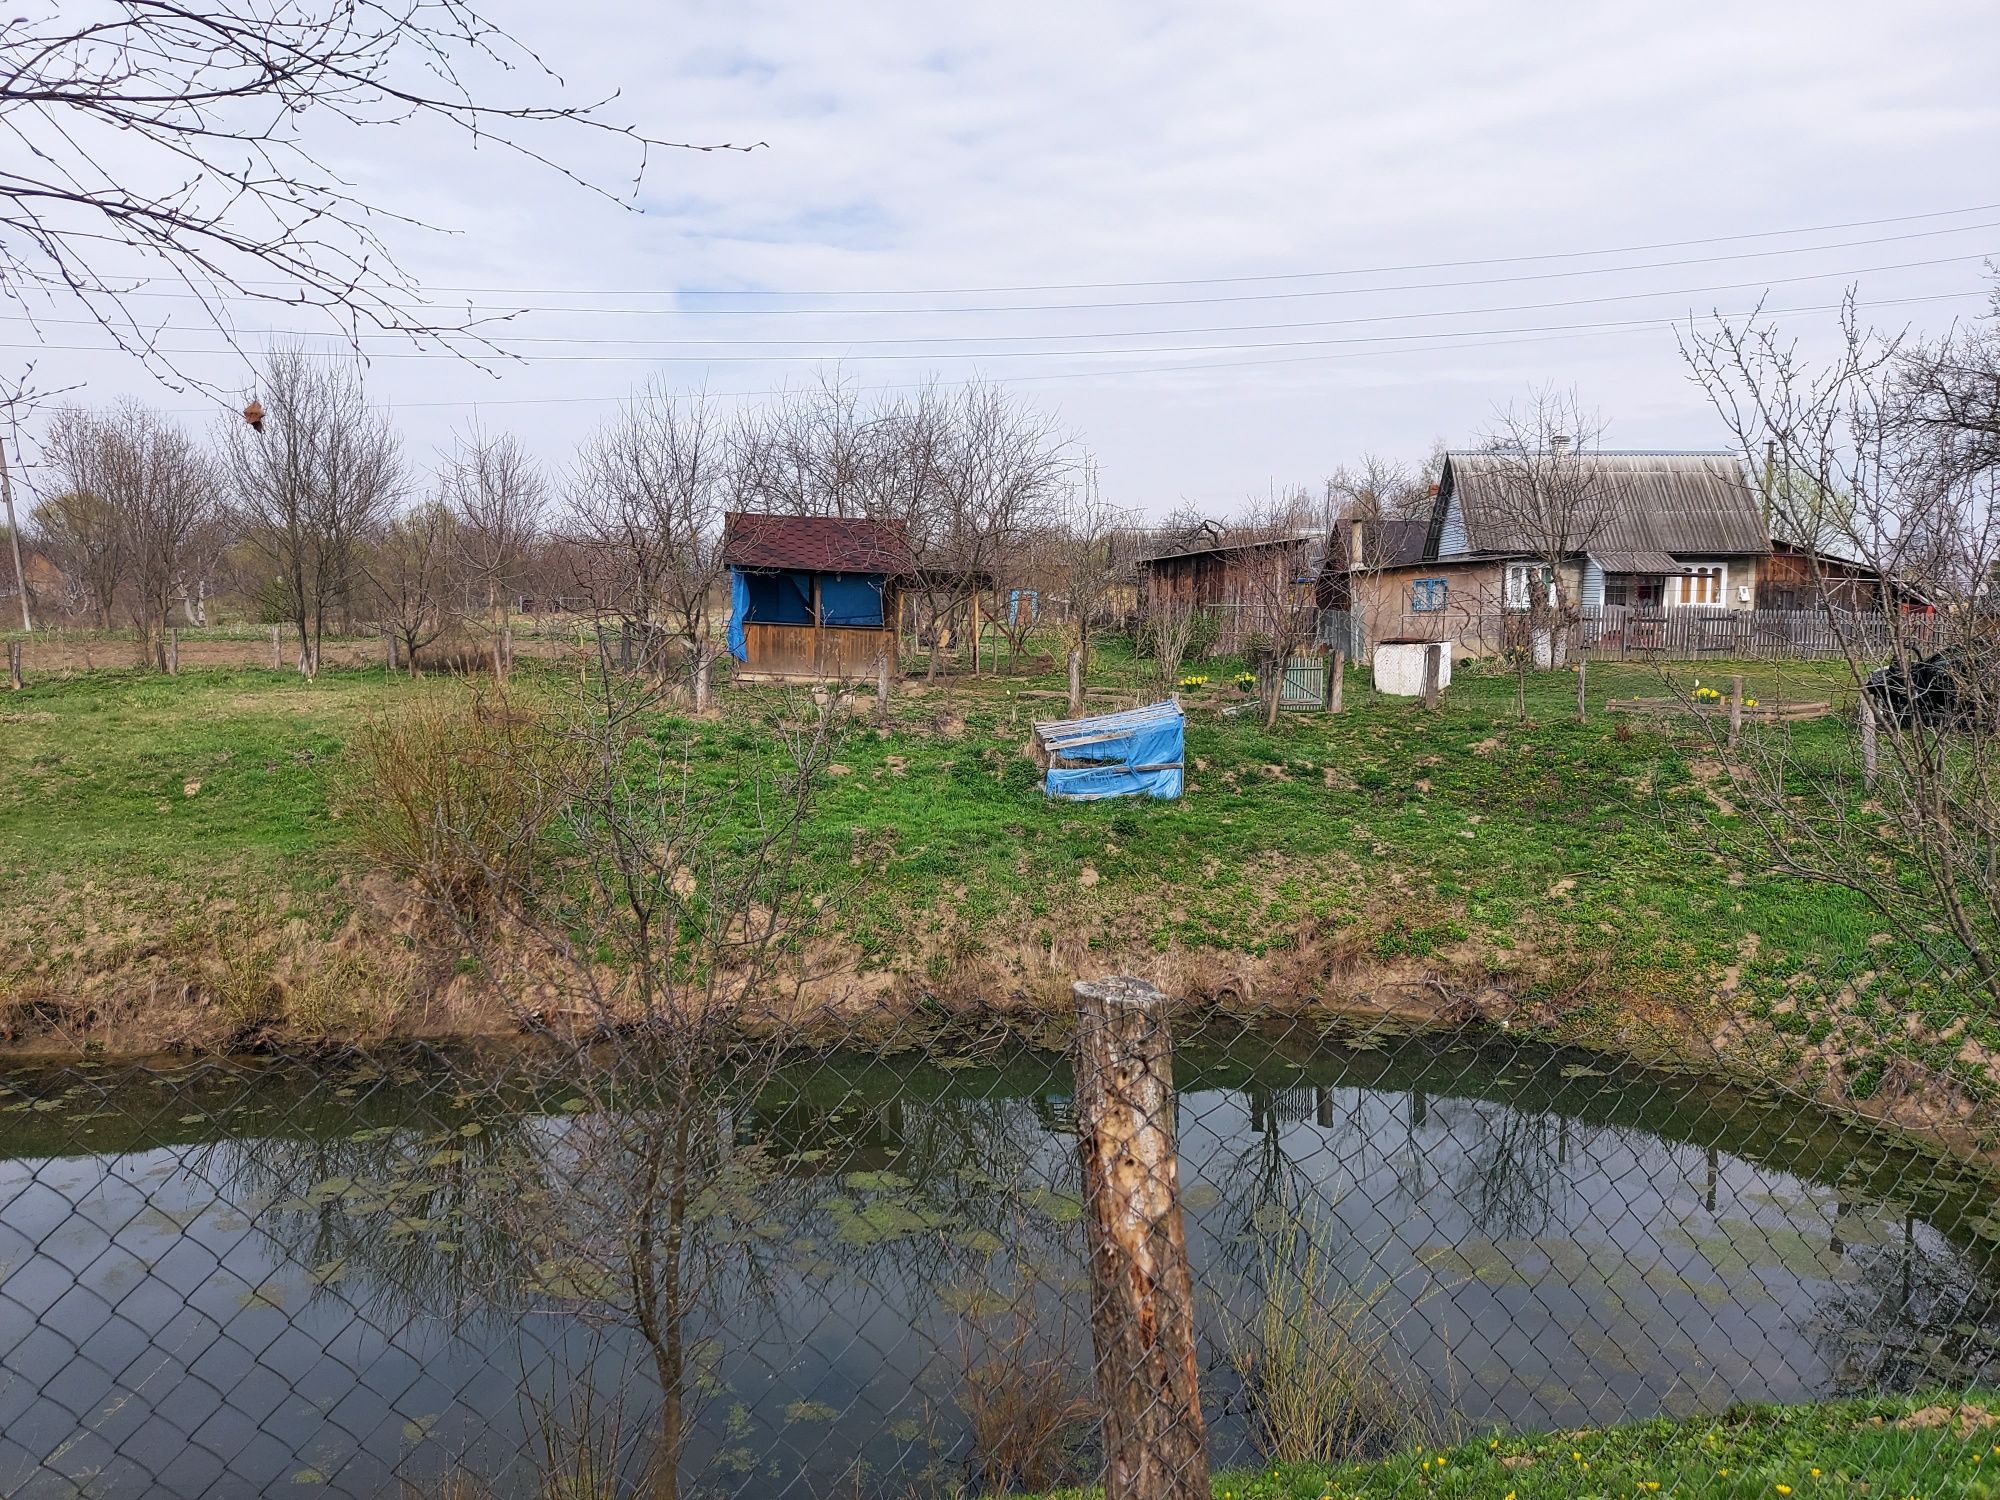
point(1356, 553)
point(1559, 443)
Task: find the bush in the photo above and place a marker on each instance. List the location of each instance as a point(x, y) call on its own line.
point(457, 795)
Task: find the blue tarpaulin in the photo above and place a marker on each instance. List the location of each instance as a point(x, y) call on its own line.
point(853, 599)
point(739, 612)
point(1137, 753)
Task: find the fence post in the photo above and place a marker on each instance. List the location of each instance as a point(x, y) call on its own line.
point(703, 659)
point(882, 675)
point(1735, 709)
point(1076, 683)
point(1433, 670)
point(389, 649)
point(1142, 1292)
point(1869, 741)
point(1582, 672)
point(173, 650)
point(506, 649)
point(277, 651)
point(15, 651)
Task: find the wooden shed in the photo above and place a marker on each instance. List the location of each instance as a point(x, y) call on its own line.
point(813, 597)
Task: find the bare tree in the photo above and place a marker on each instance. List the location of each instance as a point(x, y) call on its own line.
point(411, 566)
point(1906, 435)
point(1549, 504)
point(312, 484)
point(79, 524)
point(1278, 566)
point(167, 142)
point(1085, 569)
point(498, 496)
point(651, 489)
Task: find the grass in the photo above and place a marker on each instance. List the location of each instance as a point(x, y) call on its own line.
point(1927, 1446)
point(1559, 859)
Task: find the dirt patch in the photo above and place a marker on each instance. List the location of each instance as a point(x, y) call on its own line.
point(1964, 1420)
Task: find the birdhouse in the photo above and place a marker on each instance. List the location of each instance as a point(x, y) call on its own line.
point(254, 414)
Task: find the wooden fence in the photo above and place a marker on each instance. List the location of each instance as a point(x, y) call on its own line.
point(1624, 633)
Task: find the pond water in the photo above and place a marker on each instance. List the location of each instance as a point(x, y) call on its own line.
point(865, 1273)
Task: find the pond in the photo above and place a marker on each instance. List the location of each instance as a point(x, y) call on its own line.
point(864, 1273)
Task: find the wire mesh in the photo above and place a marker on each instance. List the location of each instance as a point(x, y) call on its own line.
point(542, 1270)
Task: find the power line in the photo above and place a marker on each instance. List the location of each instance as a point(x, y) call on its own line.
point(501, 338)
point(507, 310)
point(1410, 341)
point(1091, 286)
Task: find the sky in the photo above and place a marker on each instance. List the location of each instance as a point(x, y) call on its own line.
point(1256, 240)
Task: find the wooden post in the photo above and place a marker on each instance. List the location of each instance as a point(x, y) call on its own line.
point(882, 675)
point(975, 632)
point(1869, 741)
point(625, 646)
point(1336, 682)
point(1076, 683)
point(389, 650)
point(506, 650)
point(1433, 670)
point(173, 650)
point(277, 651)
point(15, 651)
point(1735, 709)
point(1142, 1292)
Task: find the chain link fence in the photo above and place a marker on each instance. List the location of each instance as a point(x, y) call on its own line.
point(930, 1267)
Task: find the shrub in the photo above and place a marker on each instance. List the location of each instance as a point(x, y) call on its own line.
point(457, 794)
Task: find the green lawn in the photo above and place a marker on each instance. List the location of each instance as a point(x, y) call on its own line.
point(1931, 1447)
point(1597, 861)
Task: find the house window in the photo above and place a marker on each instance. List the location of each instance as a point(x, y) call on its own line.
point(1521, 577)
point(1707, 584)
point(1428, 594)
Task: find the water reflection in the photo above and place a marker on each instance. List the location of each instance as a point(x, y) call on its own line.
point(864, 1273)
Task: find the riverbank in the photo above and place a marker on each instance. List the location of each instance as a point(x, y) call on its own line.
point(179, 865)
point(1936, 1445)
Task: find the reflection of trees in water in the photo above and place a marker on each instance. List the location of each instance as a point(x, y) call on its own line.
point(1913, 1311)
point(1514, 1167)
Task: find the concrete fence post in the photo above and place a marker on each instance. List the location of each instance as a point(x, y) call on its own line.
point(277, 651)
point(1433, 671)
point(16, 651)
point(882, 675)
point(1735, 709)
point(1869, 741)
point(1076, 683)
point(1142, 1292)
point(173, 650)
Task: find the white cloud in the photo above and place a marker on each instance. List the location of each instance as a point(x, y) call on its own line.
point(916, 145)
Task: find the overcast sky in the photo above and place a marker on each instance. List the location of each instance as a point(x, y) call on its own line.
point(917, 150)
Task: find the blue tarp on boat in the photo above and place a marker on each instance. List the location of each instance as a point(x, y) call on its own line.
point(1137, 753)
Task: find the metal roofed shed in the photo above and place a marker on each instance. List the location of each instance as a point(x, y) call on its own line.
point(1137, 753)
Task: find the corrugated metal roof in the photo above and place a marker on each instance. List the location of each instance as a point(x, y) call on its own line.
point(1633, 562)
point(1695, 504)
point(815, 544)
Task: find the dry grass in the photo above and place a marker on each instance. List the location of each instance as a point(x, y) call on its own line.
point(1316, 1371)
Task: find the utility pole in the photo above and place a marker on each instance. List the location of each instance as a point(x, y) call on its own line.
point(14, 536)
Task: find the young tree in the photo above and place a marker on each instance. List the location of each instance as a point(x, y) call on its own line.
point(1084, 569)
point(411, 568)
point(79, 529)
point(1907, 434)
point(651, 489)
point(497, 495)
point(1279, 571)
point(312, 484)
point(1549, 504)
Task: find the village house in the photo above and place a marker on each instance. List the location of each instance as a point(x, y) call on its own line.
point(1668, 532)
point(813, 597)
